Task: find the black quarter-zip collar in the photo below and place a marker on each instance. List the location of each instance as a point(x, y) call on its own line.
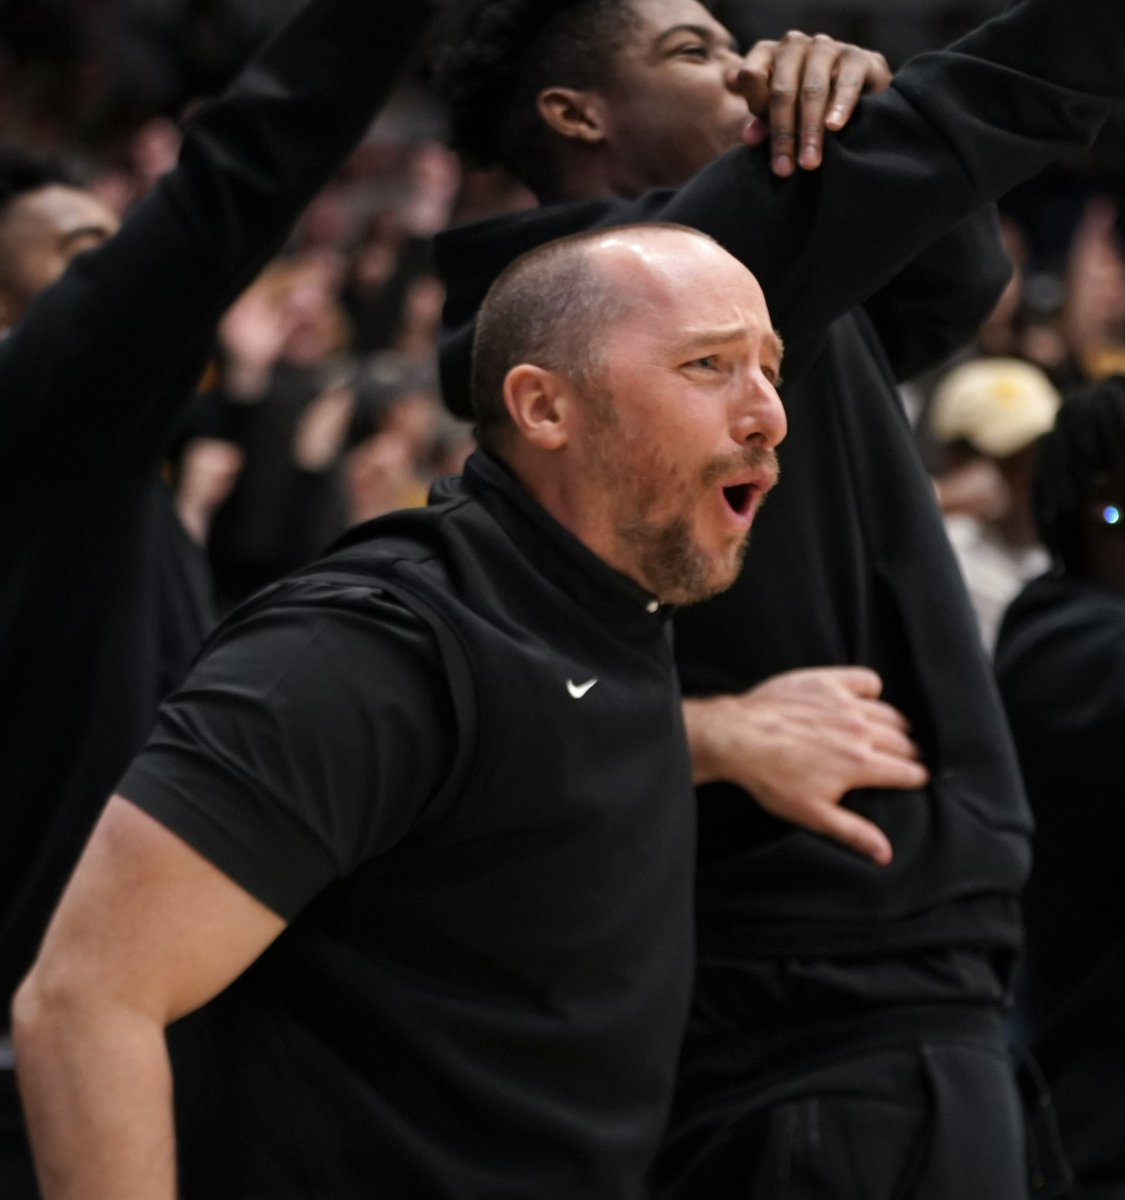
point(556, 553)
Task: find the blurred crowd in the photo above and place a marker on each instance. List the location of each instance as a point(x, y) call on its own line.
point(322, 405)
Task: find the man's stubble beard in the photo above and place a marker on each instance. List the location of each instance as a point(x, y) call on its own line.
point(671, 564)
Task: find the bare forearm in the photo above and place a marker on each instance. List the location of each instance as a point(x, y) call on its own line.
point(97, 1093)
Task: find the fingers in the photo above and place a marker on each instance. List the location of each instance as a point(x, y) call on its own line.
point(785, 85)
point(754, 77)
point(850, 829)
point(814, 90)
point(901, 772)
point(860, 681)
point(893, 742)
point(879, 713)
point(857, 71)
point(805, 85)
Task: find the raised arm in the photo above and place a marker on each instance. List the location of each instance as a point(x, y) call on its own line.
point(956, 129)
point(801, 87)
point(938, 302)
point(110, 352)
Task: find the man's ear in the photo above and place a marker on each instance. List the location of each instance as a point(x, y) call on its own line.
point(540, 405)
point(573, 113)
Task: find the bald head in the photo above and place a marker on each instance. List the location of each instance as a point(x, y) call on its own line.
point(557, 306)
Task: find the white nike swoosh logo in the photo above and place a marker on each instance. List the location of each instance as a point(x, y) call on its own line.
point(578, 690)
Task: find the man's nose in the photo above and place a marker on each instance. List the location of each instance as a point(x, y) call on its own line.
point(733, 63)
point(760, 415)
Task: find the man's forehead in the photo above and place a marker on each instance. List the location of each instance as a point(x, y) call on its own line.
point(660, 260)
point(61, 207)
point(662, 17)
point(685, 303)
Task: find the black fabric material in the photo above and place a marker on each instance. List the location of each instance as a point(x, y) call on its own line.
point(104, 599)
point(914, 1106)
point(1060, 662)
point(483, 988)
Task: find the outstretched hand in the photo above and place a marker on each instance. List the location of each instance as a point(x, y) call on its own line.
point(800, 86)
point(253, 333)
point(800, 741)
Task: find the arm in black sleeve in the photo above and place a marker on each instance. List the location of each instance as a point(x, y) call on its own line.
point(935, 306)
point(306, 742)
point(106, 357)
point(955, 130)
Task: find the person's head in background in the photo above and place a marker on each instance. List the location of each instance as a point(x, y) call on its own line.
point(986, 416)
point(47, 218)
point(592, 98)
point(1079, 492)
point(628, 378)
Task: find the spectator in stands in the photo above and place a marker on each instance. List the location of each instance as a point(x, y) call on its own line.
point(1060, 662)
point(286, 389)
point(987, 415)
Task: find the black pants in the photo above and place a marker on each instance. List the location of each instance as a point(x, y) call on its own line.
point(918, 1109)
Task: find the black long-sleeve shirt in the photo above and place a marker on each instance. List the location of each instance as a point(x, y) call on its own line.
point(103, 601)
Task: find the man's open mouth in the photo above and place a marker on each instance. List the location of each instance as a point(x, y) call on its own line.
point(740, 496)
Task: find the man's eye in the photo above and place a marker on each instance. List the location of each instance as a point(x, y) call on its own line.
point(693, 50)
point(709, 362)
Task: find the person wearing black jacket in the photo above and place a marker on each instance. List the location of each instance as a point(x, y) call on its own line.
point(422, 812)
point(105, 599)
point(1060, 663)
point(847, 1028)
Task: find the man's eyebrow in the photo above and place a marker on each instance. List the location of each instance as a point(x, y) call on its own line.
point(84, 231)
point(694, 339)
point(718, 334)
point(703, 32)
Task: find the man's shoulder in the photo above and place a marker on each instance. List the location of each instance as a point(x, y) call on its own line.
point(359, 578)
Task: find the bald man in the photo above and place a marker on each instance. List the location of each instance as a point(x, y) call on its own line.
point(416, 836)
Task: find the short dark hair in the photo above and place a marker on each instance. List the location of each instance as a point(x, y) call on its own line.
point(496, 56)
point(23, 171)
point(552, 307)
point(1088, 441)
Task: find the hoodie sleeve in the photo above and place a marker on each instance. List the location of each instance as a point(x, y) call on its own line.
point(936, 304)
point(957, 129)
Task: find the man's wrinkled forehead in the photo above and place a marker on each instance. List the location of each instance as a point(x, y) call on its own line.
point(683, 273)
